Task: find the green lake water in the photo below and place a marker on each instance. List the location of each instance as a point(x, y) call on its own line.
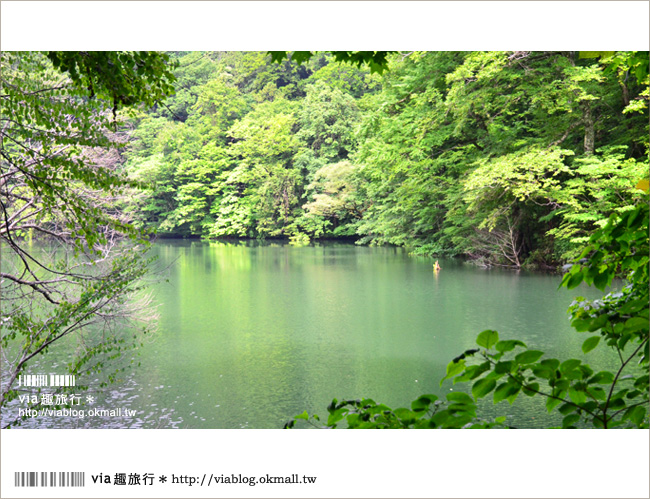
point(250, 335)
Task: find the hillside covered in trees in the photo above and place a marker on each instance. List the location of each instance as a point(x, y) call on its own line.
point(509, 158)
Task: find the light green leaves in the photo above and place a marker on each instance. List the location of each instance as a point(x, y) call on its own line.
point(508, 345)
point(423, 402)
point(590, 343)
point(585, 54)
point(487, 339)
point(528, 357)
point(482, 387)
point(506, 391)
point(635, 324)
point(453, 368)
point(577, 396)
point(572, 278)
point(635, 414)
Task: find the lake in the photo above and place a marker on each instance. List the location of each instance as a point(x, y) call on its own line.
point(252, 334)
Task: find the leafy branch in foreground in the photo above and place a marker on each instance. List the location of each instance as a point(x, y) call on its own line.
point(61, 185)
point(506, 368)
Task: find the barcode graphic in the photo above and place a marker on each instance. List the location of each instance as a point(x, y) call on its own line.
point(44, 380)
point(50, 479)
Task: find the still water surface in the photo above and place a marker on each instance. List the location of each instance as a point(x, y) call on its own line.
point(251, 335)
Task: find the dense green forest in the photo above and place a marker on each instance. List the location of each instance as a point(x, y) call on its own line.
point(508, 158)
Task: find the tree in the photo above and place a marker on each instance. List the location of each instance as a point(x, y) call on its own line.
point(264, 187)
point(327, 118)
point(191, 72)
point(470, 153)
point(506, 158)
point(336, 204)
point(60, 185)
point(184, 162)
point(355, 81)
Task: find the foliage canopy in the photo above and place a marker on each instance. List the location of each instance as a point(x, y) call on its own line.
point(507, 158)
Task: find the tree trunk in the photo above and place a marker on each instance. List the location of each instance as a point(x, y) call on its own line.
point(626, 94)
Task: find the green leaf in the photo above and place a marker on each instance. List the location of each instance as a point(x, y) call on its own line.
point(590, 343)
point(503, 367)
point(300, 56)
point(636, 324)
point(472, 372)
point(569, 365)
point(304, 415)
point(580, 325)
point(574, 280)
point(487, 339)
point(597, 392)
point(528, 357)
point(597, 323)
point(551, 403)
point(453, 368)
point(336, 416)
point(423, 402)
point(551, 364)
point(602, 378)
point(531, 389)
point(633, 306)
point(504, 391)
point(577, 396)
point(594, 54)
point(601, 280)
point(637, 414)
point(482, 387)
point(570, 420)
point(591, 324)
point(508, 345)
point(567, 409)
point(404, 414)
point(560, 385)
point(460, 397)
